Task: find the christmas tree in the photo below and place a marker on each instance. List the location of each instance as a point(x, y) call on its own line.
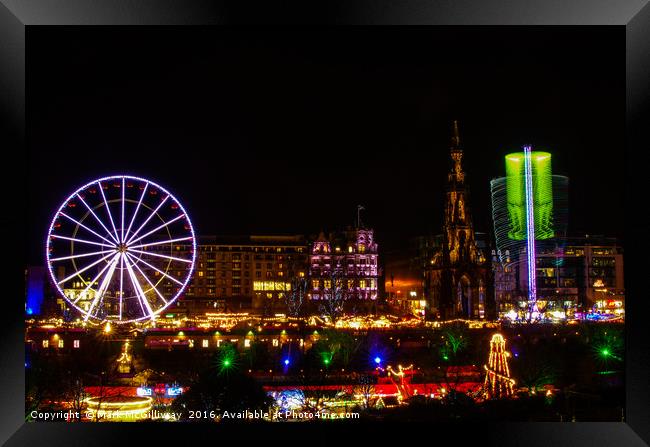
point(498, 383)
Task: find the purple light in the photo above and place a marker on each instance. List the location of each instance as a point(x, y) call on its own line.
point(530, 226)
point(377, 360)
point(109, 241)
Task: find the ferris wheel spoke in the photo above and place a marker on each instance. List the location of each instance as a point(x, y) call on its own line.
point(112, 243)
point(161, 256)
point(157, 228)
point(150, 283)
point(97, 218)
point(153, 213)
point(139, 292)
point(95, 278)
point(83, 255)
point(169, 241)
point(135, 213)
point(108, 210)
point(78, 272)
point(82, 241)
point(121, 281)
point(102, 288)
point(122, 226)
point(156, 269)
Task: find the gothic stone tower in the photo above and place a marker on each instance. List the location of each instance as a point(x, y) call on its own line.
point(459, 277)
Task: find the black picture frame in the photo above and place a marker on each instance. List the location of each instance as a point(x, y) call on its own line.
point(16, 15)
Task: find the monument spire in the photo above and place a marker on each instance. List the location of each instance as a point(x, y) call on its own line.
point(455, 137)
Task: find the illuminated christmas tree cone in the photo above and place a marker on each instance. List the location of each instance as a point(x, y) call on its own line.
point(498, 383)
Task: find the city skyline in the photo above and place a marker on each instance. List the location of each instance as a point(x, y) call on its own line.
point(232, 134)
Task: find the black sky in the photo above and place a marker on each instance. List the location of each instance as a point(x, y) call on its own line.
point(287, 130)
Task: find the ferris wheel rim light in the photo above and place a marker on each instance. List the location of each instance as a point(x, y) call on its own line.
point(116, 244)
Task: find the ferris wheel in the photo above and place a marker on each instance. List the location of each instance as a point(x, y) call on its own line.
point(121, 249)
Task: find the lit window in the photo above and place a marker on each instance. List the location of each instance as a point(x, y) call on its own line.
point(275, 342)
point(362, 283)
point(362, 248)
point(350, 249)
point(204, 343)
point(301, 274)
point(75, 343)
point(327, 283)
point(218, 343)
point(60, 342)
point(200, 273)
point(247, 343)
point(46, 343)
point(315, 283)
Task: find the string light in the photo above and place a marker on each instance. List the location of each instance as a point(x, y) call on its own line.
point(498, 383)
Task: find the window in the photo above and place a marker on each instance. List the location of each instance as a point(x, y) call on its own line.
point(247, 343)
point(275, 342)
point(204, 343)
point(258, 274)
point(200, 274)
point(60, 342)
point(315, 283)
point(75, 343)
point(301, 274)
point(280, 274)
point(327, 283)
point(46, 343)
point(362, 283)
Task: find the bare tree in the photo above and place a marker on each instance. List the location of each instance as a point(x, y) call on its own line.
point(335, 293)
point(76, 395)
point(296, 296)
point(366, 388)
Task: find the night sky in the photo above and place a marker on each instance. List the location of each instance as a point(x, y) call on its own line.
point(285, 131)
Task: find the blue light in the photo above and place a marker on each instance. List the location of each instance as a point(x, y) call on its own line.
point(174, 391)
point(29, 311)
point(377, 360)
point(286, 362)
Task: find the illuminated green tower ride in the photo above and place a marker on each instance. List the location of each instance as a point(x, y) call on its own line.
point(542, 195)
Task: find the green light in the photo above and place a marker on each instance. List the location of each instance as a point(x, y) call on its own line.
point(605, 352)
point(226, 362)
point(326, 361)
point(542, 195)
point(445, 357)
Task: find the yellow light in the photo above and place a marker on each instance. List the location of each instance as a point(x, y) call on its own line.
point(107, 328)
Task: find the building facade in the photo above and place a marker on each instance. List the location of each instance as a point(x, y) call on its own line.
point(347, 262)
point(237, 273)
point(577, 275)
point(458, 277)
